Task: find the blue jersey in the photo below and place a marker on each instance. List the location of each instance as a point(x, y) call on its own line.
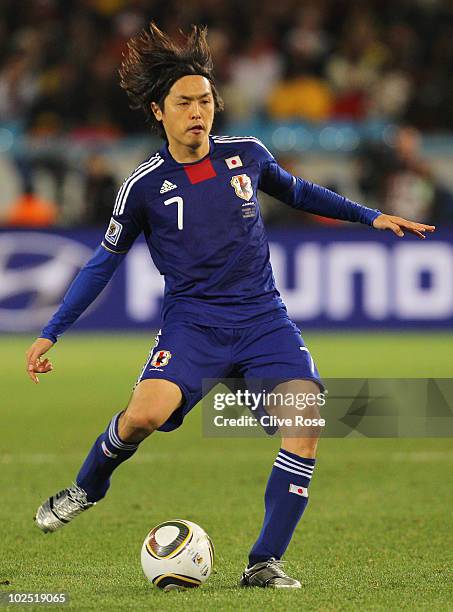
point(205, 233)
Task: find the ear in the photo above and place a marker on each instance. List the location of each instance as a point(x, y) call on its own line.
point(156, 111)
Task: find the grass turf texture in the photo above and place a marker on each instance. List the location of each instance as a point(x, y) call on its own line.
point(374, 537)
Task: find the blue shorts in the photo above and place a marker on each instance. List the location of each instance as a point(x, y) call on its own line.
point(187, 353)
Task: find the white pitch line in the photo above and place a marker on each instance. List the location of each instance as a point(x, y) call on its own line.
point(46, 458)
point(422, 456)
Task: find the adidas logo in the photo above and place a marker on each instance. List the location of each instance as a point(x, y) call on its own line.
point(167, 186)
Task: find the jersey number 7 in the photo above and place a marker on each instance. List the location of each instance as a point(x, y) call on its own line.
point(180, 202)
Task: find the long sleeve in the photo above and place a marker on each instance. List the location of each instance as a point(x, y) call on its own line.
point(301, 194)
point(123, 229)
point(85, 288)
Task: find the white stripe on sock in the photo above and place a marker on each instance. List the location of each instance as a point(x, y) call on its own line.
point(295, 463)
point(114, 439)
point(287, 469)
point(300, 469)
point(116, 442)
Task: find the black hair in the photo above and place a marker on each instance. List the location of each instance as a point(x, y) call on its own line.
point(153, 63)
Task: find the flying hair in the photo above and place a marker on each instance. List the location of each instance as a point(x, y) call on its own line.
point(153, 63)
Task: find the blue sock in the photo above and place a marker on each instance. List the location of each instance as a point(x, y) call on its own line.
point(285, 500)
point(106, 454)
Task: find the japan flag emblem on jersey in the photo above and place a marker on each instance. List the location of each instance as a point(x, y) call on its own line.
point(242, 186)
point(233, 162)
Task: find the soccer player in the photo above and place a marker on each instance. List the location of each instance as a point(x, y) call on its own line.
point(195, 201)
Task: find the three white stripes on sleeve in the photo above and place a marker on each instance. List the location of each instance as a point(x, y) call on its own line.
point(124, 191)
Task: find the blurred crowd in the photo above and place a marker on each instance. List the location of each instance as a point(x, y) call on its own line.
point(394, 177)
point(309, 60)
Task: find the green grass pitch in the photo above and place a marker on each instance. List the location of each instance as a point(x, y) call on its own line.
point(376, 534)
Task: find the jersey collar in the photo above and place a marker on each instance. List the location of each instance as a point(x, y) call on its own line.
point(165, 153)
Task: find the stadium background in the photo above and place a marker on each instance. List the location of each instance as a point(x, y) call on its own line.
point(355, 96)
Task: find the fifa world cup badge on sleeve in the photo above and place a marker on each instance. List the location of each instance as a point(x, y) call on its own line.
point(114, 231)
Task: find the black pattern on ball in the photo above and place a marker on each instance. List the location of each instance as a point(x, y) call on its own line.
point(173, 548)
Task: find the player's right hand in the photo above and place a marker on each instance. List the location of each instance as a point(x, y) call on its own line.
point(34, 363)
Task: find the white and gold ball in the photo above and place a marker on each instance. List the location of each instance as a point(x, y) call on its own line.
point(177, 554)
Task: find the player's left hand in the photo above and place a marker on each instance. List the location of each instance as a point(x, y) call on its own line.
point(396, 224)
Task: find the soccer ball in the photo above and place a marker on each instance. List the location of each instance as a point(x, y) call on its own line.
point(177, 555)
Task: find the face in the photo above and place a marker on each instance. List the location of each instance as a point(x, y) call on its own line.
point(188, 111)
